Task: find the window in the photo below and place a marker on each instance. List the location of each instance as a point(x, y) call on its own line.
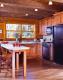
point(26, 30)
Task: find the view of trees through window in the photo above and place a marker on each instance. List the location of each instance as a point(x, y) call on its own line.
point(26, 30)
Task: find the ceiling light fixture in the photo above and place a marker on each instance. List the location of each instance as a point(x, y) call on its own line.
point(36, 9)
point(50, 2)
point(2, 5)
point(26, 14)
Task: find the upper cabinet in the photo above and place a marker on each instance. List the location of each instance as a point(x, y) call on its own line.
point(49, 21)
point(42, 27)
point(2, 31)
point(56, 19)
point(61, 17)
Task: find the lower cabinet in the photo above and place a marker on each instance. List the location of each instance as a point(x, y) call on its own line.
point(35, 51)
point(39, 50)
point(32, 52)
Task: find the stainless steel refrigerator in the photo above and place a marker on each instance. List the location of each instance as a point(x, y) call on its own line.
point(54, 52)
point(58, 44)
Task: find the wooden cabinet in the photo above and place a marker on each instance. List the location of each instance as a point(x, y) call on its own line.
point(49, 21)
point(39, 50)
point(2, 30)
point(44, 26)
point(61, 17)
point(35, 51)
point(56, 19)
point(32, 52)
point(40, 27)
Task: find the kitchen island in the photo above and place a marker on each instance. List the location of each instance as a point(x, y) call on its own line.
point(35, 50)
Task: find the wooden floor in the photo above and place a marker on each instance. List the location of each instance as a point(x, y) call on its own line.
point(38, 70)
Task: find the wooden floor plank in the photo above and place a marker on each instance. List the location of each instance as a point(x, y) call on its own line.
point(39, 70)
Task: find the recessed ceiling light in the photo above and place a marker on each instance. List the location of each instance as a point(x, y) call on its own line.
point(50, 2)
point(26, 14)
point(36, 9)
point(2, 5)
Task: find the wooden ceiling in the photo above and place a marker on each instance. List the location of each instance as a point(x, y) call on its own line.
point(60, 1)
point(18, 8)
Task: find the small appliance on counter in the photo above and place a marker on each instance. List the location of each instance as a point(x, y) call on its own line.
point(41, 40)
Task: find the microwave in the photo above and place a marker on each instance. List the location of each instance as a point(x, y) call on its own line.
point(49, 30)
point(48, 38)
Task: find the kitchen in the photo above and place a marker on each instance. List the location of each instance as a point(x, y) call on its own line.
point(38, 31)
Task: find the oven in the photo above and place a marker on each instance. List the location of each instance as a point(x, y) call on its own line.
point(47, 51)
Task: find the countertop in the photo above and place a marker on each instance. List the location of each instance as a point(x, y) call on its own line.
point(30, 42)
point(27, 42)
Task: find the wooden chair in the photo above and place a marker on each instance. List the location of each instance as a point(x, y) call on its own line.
point(5, 60)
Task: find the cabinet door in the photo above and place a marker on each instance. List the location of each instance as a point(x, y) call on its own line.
point(40, 28)
point(44, 26)
point(2, 30)
point(39, 50)
point(49, 22)
point(32, 52)
point(56, 20)
point(35, 51)
point(61, 17)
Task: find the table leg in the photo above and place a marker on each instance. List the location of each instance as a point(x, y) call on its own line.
point(17, 61)
point(24, 63)
point(13, 64)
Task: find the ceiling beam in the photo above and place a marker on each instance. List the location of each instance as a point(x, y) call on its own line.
point(39, 6)
point(60, 1)
point(23, 11)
